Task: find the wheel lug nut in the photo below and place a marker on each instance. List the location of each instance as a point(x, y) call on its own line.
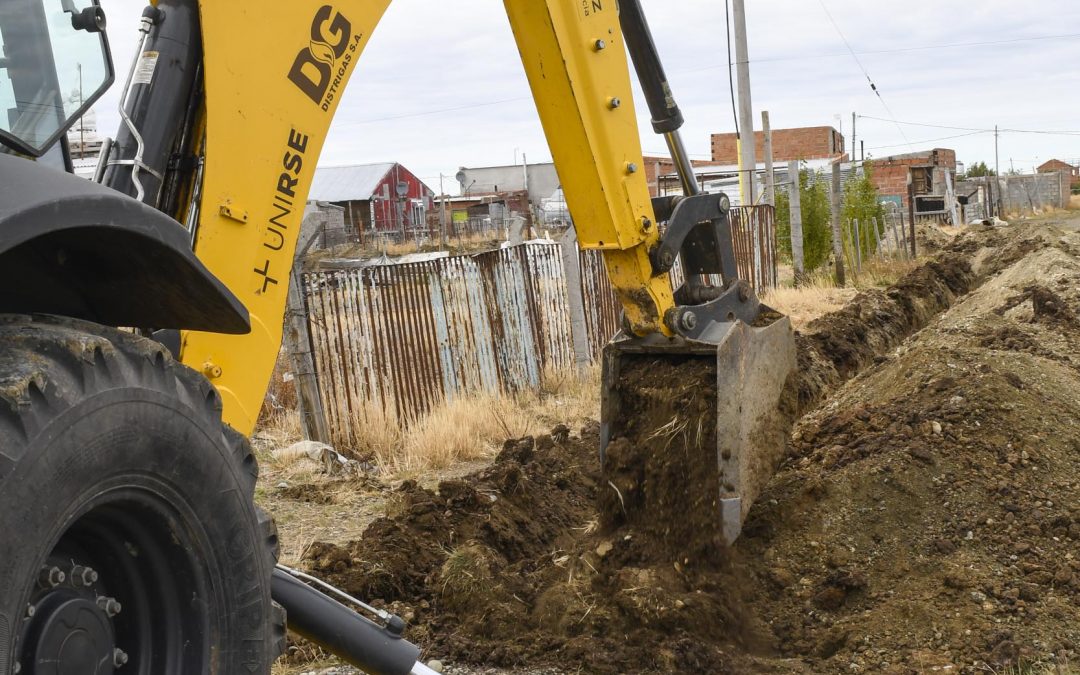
point(83, 576)
point(109, 605)
point(51, 577)
point(120, 657)
point(30, 609)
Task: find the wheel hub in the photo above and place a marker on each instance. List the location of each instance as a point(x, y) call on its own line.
point(74, 637)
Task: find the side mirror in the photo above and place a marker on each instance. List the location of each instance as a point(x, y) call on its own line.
point(54, 64)
point(90, 19)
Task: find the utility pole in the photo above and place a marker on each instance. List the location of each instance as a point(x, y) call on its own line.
point(747, 159)
point(442, 214)
point(853, 146)
point(770, 177)
point(997, 165)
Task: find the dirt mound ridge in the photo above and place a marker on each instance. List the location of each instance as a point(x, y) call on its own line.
point(930, 515)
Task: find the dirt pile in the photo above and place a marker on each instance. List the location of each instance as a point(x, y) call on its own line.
point(926, 515)
point(930, 514)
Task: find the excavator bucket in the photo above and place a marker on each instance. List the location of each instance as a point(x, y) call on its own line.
point(753, 399)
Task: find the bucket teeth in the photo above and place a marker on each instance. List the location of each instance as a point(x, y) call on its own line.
point(754, 405)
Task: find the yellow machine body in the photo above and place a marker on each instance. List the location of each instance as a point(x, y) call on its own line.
point(274, 76)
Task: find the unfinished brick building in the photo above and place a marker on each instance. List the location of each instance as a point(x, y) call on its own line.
point(927, 170)
point(788, 145)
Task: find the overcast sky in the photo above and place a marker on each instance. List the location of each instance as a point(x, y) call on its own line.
point(441, 85)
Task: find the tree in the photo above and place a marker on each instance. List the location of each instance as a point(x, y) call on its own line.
point(978, 170)
point(816, 219)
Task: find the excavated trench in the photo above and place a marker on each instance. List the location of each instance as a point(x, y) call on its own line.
point(541, 559)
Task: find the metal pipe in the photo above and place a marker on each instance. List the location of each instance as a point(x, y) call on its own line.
point(103, 159)
point(683, 165)
point(383, 615)
point(343, 632)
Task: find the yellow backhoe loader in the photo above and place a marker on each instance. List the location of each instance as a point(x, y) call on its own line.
point(129, 538)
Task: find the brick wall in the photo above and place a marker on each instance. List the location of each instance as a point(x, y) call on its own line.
point(788, 145)
point(891, 173)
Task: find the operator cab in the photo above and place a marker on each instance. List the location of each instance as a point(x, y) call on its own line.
point(54, 63)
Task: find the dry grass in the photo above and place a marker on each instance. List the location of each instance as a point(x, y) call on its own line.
point(1074, 202)
point(819, 294)
point(806, 303)
point(472, 427)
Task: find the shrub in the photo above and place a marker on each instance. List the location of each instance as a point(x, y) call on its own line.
point(816, 217)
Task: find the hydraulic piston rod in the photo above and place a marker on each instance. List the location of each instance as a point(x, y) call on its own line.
point(375, 649)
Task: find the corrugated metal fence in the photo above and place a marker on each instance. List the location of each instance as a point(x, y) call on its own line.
point(401, 338)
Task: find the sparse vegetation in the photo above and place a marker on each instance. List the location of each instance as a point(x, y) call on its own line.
point(460, 430)
point(862, 206)
point(816, 215)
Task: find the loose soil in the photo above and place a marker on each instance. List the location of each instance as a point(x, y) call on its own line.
point(925, 515)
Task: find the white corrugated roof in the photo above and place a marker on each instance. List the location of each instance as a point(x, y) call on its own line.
point(347, 183)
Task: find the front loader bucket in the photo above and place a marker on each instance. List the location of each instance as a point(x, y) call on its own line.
point(754, 405)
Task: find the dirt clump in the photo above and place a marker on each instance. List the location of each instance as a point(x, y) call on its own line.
point(512, 565)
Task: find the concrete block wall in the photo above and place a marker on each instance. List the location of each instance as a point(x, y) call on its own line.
point(1024, 194)
point(788, 145)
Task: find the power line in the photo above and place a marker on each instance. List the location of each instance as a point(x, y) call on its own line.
point(730, 77)
point(903, 50)
point(1048, 132)
point(931, 140)
point(862, 68)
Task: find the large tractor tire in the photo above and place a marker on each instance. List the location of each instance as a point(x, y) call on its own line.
point(129, 538)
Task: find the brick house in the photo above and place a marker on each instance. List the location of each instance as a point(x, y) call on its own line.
point(927, 171)
point(1055, 165)
point(788, 145)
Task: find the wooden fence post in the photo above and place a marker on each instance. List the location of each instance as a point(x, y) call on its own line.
point(298, 346)
point(911, 214)
point(579, 329)
point(770, 176)
point(858, 245)
point(795, 209)
point(837, 237)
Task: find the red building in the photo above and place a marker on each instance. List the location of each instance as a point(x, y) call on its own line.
point(377, 198)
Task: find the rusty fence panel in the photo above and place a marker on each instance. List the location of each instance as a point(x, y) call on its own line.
point(602, 309)
point(396, 340)
point(753, 233)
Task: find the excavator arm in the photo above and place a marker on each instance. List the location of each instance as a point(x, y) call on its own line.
point(273, 81)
